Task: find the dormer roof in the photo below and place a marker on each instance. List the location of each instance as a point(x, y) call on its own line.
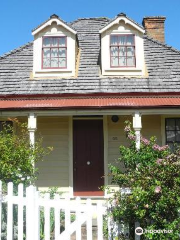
point(53, 18)
point(127, 20)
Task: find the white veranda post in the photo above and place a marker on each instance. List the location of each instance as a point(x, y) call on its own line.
point(32, 123)
point(137, 125)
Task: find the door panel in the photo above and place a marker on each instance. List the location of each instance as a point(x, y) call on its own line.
point(88, 157)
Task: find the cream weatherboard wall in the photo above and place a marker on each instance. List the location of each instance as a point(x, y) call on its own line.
point(151, 126)
point(116, 137)
point(54, 170)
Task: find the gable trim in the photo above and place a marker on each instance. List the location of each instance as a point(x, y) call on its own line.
point(126, 20)
point(49, 22)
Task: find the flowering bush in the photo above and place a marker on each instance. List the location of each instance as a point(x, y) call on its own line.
point(152, 173)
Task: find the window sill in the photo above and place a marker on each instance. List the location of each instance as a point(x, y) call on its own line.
point(54, 73)
point(54, 70)
point(127, 69)
point(131, 71)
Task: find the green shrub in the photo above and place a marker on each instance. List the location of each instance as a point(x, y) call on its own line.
point(18, 156)
point(152, 173)
point(17, 161)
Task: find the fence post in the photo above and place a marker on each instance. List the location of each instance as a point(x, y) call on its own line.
point(100, 221)
point(20, 212)
point(57, 217)
point(37, 216)
point(30, 213)
point(47, 217)
point(1, 196)
point(89, 219)
point(10, 212)
point(78, 215)
point(67, 217)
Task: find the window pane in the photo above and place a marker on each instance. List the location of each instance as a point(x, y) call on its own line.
point(130, 40)
point(62, 62)
point(62, 42)
point(114, 40)
point(122, 61)
point(46, 42)
point(130, 61)
point(46, 53)
point(55, 42)
point(171, 146)
point(114, 51)
point(46, 62)
point(130, 51)
point(54, 52)
point(122, 51)
point(114, 61)
point(122, 40)
point(54, 62)
point(171, 137)
point(62, 52)
point(170, 124)
point(6, 125)
point(178, 136)
point(177, 124)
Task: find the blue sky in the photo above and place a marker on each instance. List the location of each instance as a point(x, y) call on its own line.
point(19, 17)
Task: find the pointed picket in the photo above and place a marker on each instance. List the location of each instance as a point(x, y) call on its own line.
point(78, 215)
point(0, 207)
point(57, 217)
point(89, 219)
point(47, 217)
point(10, 212)
point(100, 220)
point(20, 212)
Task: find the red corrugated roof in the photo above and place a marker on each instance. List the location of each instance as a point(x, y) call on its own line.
point(90, 102)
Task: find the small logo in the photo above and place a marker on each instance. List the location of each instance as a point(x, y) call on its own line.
point(139, 231)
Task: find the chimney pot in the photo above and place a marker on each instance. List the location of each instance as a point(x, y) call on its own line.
point(154, 27)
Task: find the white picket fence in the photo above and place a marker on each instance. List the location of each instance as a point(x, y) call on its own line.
point(21, 211)
point(29, 208)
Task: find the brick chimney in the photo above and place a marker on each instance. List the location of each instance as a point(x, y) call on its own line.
point(154, 27)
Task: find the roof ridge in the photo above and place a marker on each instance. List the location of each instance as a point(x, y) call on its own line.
point(90, 18)
point(16, 50)
point(162, 44)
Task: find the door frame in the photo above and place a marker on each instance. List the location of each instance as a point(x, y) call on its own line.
point(105, 133)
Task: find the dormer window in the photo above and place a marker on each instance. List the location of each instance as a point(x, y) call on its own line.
point(122, 50)
point(54, 52)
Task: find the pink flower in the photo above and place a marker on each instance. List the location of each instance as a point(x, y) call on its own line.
point(145, 141)
point(127, 129)
point(159, 161)
point(158, 148)
point(157, 189)
point(131, 137)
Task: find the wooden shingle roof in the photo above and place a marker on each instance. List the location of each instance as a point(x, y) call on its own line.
point(162, 62)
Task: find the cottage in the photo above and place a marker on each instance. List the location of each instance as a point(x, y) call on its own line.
point(77, 83)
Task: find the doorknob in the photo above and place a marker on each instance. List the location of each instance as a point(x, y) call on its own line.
point(88, 163)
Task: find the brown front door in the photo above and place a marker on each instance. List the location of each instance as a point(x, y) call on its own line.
point(88, 154)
